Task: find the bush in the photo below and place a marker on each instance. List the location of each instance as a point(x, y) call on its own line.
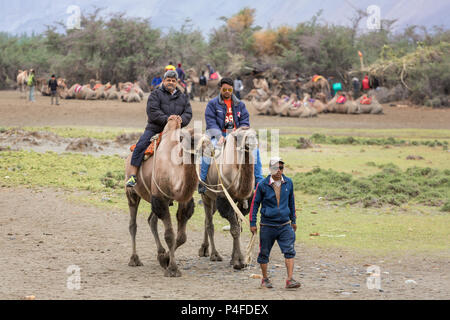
point(389, 186)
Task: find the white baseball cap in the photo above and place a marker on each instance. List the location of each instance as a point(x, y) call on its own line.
point(273, 161)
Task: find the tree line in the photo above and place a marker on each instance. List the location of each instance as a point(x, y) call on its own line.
point(119, 48)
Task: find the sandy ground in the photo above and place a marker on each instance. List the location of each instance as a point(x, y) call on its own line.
point(19, 112)
point(42, 233)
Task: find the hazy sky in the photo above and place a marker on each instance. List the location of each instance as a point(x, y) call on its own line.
point(28, 15)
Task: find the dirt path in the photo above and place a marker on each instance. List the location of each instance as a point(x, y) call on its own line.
point(42, 234)
point(19, 112)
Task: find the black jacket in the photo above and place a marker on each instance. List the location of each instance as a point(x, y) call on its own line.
point(161, 104)
point(53, 84)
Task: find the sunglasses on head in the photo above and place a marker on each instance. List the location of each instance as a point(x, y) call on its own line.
point(227, 90)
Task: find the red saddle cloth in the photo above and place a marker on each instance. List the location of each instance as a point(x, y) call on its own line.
point(151, 148)
point(341, 100)
point(365, 100)
point(214, 76)
point(78, 88)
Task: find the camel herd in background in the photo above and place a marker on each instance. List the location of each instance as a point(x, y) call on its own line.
point(265, 101)
point(94, 90)
point(270, 102)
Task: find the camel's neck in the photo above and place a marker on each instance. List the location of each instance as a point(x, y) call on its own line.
point(246, 179)
point(180, 170)
point(241, 177)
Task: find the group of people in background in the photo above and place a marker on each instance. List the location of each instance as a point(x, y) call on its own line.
point(52, 85)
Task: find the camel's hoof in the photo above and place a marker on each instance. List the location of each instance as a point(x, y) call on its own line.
point(134, 261)
point(215, 257)
point(203, 252)
point(172, 273)
point(239, 266)
point(163, 259)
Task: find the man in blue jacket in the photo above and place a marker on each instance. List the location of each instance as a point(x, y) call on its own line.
point(223, 114)
point(275, 194)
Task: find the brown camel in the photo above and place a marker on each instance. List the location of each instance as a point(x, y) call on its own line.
point(284, 105)
point(315, 103)
point(168, 175)
point(22, 78)
point(42, 86)
point(261, 107)
point(234, 164)
point(374, 107)
point(349, 107)
point(317, 84)
point(111, 92)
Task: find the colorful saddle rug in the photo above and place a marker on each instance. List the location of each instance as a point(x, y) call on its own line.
point(365, 100)
point(341, 100)
point(155, 141)
point(316, 78)
point(78, 88)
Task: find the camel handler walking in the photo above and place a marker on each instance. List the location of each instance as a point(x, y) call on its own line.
point(163, 103)
point(278, 220)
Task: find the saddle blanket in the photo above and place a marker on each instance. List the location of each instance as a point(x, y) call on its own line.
point(155, 140)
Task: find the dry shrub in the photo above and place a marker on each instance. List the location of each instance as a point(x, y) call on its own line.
point(265, 42)
point(242, 20)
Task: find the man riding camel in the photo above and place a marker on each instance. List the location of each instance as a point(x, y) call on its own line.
point(224, 114)
point(165, 102)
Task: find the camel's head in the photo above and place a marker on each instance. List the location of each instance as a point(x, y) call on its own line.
point(173, 123)
point(244, 139)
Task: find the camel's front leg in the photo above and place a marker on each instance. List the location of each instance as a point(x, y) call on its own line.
point(237, 259)
point(133, 204)
point(226, 211)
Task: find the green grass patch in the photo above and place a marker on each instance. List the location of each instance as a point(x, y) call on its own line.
point(387, 230)
point(317, 138)
point(411, 225)
point(100, 133)
point(428, 134)
point(389, 186)
point(360, 160)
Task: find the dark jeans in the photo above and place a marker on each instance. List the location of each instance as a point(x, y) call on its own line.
point(284, 235)
point(141, 146)
point(54, 94)
point(238, 94)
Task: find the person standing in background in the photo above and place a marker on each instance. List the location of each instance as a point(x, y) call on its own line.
point(238, 87)
point(53, 86)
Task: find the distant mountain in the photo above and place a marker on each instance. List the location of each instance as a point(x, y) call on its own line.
point(28, 16)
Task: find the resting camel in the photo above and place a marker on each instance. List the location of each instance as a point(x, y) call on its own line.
point(168, 175)
point(315, 103)
point(261, 91)
point(349, 107)
point(261, 107)
point(374, 107)
point(22, 78)
point(111, 92)
point(317, 84)
point(235, 165)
